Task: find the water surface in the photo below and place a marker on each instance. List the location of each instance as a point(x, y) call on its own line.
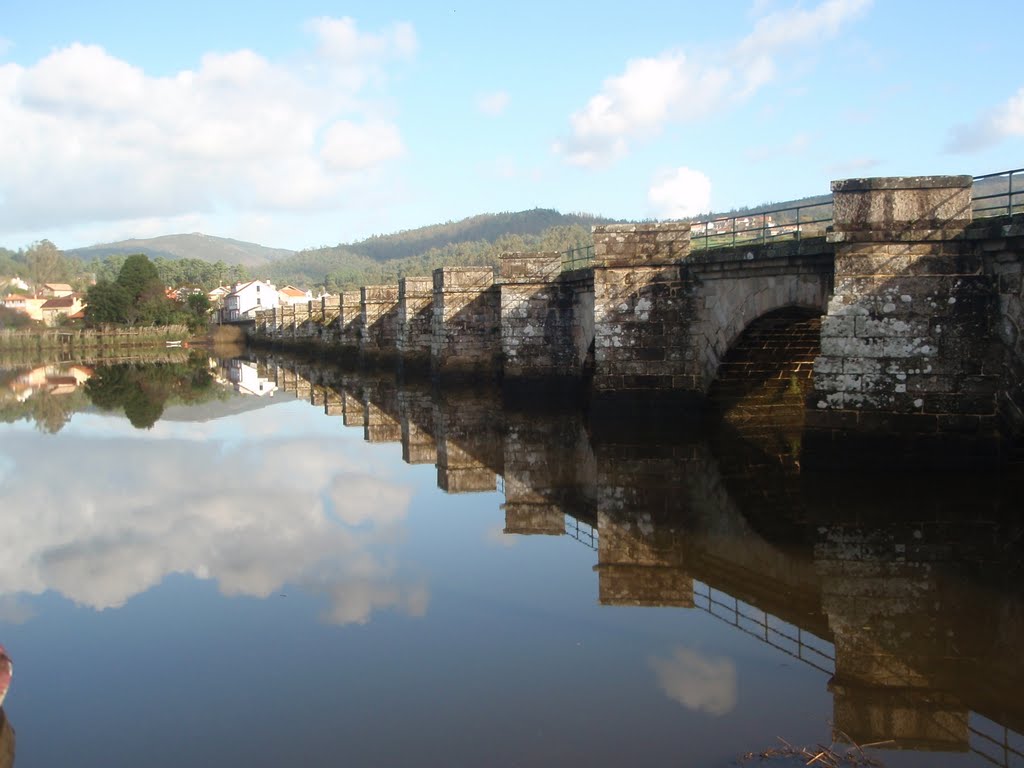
point(269, 564)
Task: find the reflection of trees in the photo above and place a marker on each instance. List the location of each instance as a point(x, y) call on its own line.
point(49, 411)
point(143, 391)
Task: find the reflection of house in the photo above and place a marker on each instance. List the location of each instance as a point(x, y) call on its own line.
point(246, 379)
point(67, 306)
point(290, 295)
point(51, 379)
point(26, 304)
point(246, 299)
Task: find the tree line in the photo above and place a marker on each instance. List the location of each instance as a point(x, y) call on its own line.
point(138, 296)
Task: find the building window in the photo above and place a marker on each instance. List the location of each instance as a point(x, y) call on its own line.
point(258, 301)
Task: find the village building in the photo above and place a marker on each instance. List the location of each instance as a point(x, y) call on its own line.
point(290, 295)
point(26, 305)
point(63, 306)
point(248, 298)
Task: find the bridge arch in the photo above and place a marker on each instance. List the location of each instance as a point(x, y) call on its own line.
point(727, 305)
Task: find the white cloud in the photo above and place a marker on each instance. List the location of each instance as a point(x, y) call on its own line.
point(348, 146)
point(91, 138)
point(300, 511)
point(796, 25)
point(1005, 121)
point(676, 87)
point(699, 683)
point(680, 193)
point(493, 104)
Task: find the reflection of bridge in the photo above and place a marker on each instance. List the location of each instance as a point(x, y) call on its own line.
point(921, 311)
point(917, 623)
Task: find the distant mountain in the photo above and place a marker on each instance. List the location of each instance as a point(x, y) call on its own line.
point(193, 246)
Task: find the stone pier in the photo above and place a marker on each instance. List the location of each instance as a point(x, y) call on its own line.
point(548, 462)
point(415, 322)
point(466, 329)
point(910, 363)
point(641, 309)
point(300, 318)
point(353, 409)
point(416, 413)
point(547, 321)
point(350, 323)
point(469, 448)
point(378, 343)
point(382, 424)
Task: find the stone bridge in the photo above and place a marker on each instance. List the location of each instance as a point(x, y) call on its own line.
point(921, 338)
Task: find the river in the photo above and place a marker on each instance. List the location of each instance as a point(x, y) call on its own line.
point(265, 563)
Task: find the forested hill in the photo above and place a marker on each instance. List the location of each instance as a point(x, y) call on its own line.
point(487, 227)
point(478, 240)
point(191, 246)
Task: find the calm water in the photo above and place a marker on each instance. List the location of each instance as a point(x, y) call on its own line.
point(262, 566)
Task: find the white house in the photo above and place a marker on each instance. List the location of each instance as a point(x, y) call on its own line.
point(246, 299)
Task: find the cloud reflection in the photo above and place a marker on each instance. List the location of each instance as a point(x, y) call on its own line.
point(100, 521)
point(701, 683)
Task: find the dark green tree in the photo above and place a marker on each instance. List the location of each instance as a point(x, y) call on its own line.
point(148, 302)
point(106, 303)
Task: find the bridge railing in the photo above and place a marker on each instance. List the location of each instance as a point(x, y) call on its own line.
point(583, 533)
point(577, 258)
point(794, 222)
point(998, 194)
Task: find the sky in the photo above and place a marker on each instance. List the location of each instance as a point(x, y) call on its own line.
point(314, 123)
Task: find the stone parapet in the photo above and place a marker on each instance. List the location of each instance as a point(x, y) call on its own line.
point(637, 245)
point(530, 268)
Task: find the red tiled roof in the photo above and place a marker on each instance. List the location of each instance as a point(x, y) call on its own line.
point(63, 302)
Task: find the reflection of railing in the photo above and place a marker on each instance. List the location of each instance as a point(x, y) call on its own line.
point(769, 629)
point(794, 223)
point(999, 194)
point(984, 744)
point(577, 258)
point(582, 532)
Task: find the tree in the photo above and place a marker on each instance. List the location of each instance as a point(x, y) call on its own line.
point(44, 264)
point(106, 302)
point(148, 304)
point(138, 276)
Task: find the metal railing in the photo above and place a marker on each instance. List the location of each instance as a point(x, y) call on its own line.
point(582, 532)
point(998, 194)
point(577, 258)
point(769, 629)
point(794, 222)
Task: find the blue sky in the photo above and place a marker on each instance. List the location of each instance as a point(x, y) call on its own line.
point(313, 123)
